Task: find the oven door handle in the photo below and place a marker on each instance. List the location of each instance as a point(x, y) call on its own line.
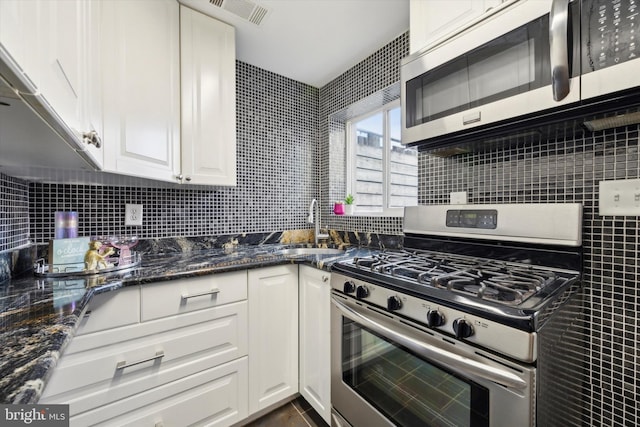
point(428, 351)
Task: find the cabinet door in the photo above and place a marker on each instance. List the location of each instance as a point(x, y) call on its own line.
point(207, 54)
point(433, 20)
point(61, 82)
point(195, 293)
point(23, 28)
point(72, 78)
point(141, 87)
point(49, 58)
point(273, 335)
point(92, 119)
point(315, 356)
point(111, 310)
point(164, 351)
point(214, 397)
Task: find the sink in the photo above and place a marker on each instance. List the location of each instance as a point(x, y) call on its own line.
point(310, 251)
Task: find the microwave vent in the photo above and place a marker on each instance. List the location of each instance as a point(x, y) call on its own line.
point(613, 122)
point(248, 10)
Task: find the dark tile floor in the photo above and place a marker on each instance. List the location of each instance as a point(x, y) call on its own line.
point(297, 413)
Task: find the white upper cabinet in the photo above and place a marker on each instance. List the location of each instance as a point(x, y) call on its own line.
point(47, 54)
point(207, 53)
point(92, 117)
point(61, 82)
point(23, 29)
point(168, 93)
point(141, 88)
point(433, 20)
point(135, 88)
point(71, 83)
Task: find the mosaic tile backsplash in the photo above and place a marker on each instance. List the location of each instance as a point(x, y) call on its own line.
point(279, 173)
point(277, 150)
point(568, 169)
point(14, 212)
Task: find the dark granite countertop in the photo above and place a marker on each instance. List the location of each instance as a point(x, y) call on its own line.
point(38, 316)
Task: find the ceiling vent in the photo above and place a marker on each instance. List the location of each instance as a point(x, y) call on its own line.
point(245, 9)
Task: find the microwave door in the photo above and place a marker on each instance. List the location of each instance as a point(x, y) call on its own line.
point(493, 72)
point(610, 43)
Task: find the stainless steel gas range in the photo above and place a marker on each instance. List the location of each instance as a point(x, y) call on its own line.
point(466, 325)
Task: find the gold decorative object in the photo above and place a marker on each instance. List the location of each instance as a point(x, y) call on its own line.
point(94, 259)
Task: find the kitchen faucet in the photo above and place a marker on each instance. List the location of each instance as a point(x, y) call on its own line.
point(317, 235)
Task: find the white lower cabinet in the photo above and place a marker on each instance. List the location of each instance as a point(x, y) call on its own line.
point(214, 397)
point(186, 367)
point(206, 351)
point(99, 315)
point(273, 335)
point(315, 339)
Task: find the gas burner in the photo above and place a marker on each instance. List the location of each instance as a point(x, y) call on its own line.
point(497, 281)
point(488, 291)
point(481, 290)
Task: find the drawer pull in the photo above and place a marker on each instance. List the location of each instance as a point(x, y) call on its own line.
point(123, 364)
point(201, 294)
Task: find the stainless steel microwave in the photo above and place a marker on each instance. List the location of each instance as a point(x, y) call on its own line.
point(532, 56)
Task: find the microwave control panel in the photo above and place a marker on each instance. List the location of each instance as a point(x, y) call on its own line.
point(610, 32)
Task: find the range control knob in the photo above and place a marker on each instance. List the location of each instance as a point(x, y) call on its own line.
point(362, 292)
point(462, 328)
point(349, 287)
point(434, 318)
point(394, 303)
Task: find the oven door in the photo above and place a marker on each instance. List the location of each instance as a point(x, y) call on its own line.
point(387, 372)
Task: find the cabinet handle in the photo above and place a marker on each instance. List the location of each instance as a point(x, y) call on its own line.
point(188, 179)
point(180, 177)
point(201, 294)
point(87, 314)
point(123, 364)
point(325, 279)
point(92, 138)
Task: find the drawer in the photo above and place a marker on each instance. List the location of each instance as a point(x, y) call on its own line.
point(88, 379)
point(182, 296)
point(111, 310)
point(215, 397)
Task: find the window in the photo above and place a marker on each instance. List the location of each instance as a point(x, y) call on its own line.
point(382, 174)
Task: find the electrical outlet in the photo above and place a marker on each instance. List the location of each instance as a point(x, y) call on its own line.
point(133, 214)
point(619, 197)
point(458, 198)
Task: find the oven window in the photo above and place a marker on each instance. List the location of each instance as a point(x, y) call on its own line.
point(409, 391)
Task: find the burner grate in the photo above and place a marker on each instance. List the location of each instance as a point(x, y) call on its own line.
point(497, 281)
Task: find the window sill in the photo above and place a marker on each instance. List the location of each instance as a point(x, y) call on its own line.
point(388, 213)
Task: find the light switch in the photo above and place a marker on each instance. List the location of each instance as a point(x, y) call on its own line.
point(458, 198)
point(619, 197)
